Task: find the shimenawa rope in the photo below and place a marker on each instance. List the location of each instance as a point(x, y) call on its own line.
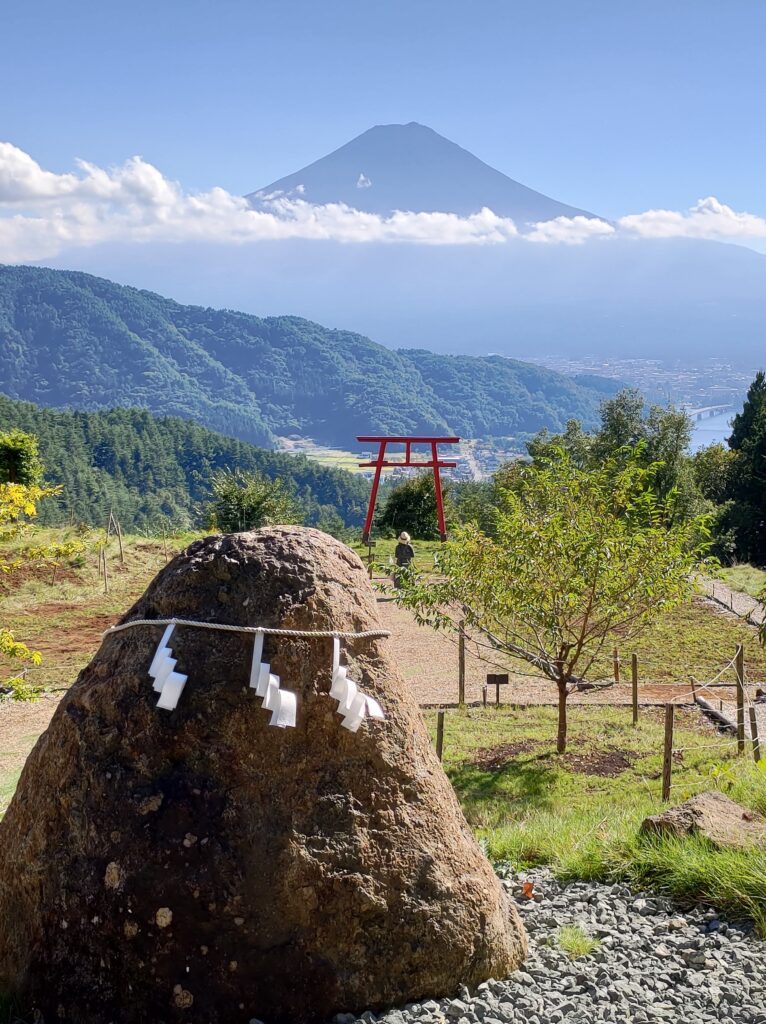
point(227, 628)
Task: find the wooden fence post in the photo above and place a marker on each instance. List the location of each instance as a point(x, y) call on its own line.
point(106, 574)
point(667, 754)
point(461, 664)
point(754, 734)
point(439, 732)
point(119, 539)
point(634, 684)
point(739, 662)
point(484, 695)
point(616, 661)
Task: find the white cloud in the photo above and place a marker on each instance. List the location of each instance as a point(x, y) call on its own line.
point(43, 213)
point(569, 230)
point(708, 218)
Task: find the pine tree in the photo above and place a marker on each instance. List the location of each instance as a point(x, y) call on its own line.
point(747, 489)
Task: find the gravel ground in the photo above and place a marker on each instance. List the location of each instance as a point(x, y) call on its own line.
point(729, 708)
point(741, 604)
point(652, 964)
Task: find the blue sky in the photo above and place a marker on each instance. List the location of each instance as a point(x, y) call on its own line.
point(612, 106)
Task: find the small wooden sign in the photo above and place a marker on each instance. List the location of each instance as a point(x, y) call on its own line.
point(497, 679)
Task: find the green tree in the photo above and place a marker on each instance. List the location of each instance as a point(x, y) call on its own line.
point(246, 501)
point(19, 459)
point(473, 501)
point(745, 422)
point(575, 441)
point(657, 437)
point(713, 469)
point(747, 481)
point(411, 506)
point(581, 557)
point(18, 505)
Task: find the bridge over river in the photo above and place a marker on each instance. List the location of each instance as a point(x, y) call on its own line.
point(706, 411)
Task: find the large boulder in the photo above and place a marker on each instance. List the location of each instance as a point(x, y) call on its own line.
point(712, 815)
point(200, 865)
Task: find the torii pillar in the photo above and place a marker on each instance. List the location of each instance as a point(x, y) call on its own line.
point(380, 464)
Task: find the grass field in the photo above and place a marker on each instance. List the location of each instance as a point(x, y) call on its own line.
point(695, 639)
point(580, 813)
point(746, 578)
point(335, 458)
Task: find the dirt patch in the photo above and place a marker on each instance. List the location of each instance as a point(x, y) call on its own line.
point(20, 725)
point(27, 571)
point(81, 634)
point(494, 759)
point(604, 763)
point(428, 660)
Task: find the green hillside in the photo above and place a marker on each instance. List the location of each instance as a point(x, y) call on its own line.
point(72, 340)
point(152, 469)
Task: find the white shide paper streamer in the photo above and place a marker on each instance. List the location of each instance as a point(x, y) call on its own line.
point(354, 705)
point(168, 683)
point(281, 703)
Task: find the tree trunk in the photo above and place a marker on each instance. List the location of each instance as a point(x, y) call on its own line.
point(561, 738)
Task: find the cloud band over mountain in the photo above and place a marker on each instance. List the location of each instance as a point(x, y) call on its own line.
point(43, 214)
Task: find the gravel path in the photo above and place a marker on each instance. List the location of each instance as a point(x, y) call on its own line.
point(652, 964)
point(741, 604)
point(729, 708)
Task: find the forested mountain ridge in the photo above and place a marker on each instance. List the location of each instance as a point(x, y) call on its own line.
point(69, 339)
point(152, 469)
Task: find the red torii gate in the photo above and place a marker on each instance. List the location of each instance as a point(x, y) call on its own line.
point(380, 463)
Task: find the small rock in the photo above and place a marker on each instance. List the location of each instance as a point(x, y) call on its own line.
point(163, 917)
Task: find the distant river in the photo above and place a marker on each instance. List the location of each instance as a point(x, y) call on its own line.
point(708, 431)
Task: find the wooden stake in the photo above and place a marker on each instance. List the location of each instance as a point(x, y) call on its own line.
point(616, 665)
point(484, 695)
point(106, 575)
point(634, 684)
point(754, 734)
point(119, 538)
point(667, 754)
point(739, 663)
point(694, 689)
point(461, 664)
point(439, 732)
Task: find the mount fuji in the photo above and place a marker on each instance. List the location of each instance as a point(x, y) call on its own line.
point(411, 167)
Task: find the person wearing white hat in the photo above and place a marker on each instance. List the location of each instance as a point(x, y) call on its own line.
point(404, 554)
